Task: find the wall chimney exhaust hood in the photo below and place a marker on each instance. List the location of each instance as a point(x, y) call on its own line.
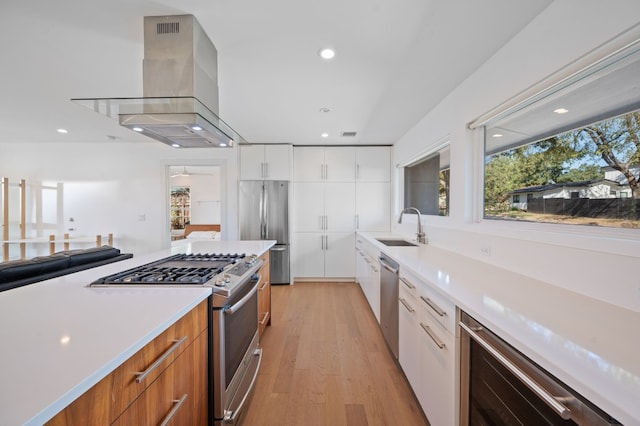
point(179, 106)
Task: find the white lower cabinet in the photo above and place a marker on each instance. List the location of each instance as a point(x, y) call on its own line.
point(427, 347)
point(408, 335)
point(437, 372)
point(368, 274)
point(324, 254)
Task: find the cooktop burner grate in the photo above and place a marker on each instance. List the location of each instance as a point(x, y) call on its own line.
point(180, 269)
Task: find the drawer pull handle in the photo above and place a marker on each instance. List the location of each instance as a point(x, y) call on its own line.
point(407, 283)
point(437, 341)
point(406, 305)
point(177, 404)
point(264, 318)
point(438, 310)
point(263, 286)
point(143, 375)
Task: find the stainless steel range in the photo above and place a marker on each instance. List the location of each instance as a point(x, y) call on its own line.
point(234, 356)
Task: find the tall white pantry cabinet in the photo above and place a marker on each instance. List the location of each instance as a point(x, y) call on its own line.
point(336, 191)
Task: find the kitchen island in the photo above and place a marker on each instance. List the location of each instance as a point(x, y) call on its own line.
point(590, 345)
point(60, 337)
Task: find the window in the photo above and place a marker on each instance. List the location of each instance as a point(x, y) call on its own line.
point(568, 147)
point(426, 183)
point(516, 198)
point(180, 206)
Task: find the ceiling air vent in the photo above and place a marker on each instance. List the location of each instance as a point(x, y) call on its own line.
point(349, 134)
point(168, 28)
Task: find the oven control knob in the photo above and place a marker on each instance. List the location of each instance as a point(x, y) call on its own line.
point(222, 280)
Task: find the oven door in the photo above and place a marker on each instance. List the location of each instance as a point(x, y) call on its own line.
point(235, 357)
point(501, 386)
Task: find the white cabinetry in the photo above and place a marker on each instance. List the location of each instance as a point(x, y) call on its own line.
point(323, 223)
point(373, 164)
point(368, 273)
point(373, 206)
point(337, 190)
point(324, 255)
point(265, 162)
point(428, 333)
point(324, 164)
point(409, 355)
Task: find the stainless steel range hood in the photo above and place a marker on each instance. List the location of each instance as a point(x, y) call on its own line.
point(179, 106)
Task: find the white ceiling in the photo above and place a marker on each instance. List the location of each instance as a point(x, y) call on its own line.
point(396, 59)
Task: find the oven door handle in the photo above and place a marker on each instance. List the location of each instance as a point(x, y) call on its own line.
point(233, 308)
point(549, 399)
point(231, 416)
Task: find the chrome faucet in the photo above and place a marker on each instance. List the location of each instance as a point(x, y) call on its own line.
point(420, 235)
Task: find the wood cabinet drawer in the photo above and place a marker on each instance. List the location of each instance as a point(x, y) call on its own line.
point(105, 401)
point(264, 294)
point(178, 395)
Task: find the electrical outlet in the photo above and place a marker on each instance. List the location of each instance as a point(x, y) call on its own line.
point(486, 251)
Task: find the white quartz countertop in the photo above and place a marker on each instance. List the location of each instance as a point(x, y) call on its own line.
point(60, 337)
point(592, 346)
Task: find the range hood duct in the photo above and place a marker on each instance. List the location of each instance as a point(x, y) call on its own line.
point(180, 88)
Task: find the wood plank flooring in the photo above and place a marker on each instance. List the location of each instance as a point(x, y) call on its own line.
point(325, 362)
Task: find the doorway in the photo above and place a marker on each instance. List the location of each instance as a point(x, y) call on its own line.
point(194, 199)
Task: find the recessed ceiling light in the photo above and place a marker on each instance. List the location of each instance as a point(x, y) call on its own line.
point(137, 129)
point(561, 111)
point(327, 53)
point(497, 135)
point(325, 109)
point(325, 135)
point(63, 131)
point(175, 145)
point(196, 128)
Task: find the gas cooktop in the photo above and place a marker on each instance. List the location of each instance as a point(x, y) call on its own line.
point(193, 269)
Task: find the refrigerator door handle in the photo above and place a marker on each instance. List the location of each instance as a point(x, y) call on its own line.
point(263, 213)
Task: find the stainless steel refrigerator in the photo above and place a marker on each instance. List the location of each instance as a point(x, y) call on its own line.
point(264, 215)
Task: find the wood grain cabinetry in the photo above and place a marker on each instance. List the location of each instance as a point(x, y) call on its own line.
point(264, 294)
point(176, 360)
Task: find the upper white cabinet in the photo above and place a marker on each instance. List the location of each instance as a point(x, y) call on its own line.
point(265, 162)
point(324, 164)
point(373, 164)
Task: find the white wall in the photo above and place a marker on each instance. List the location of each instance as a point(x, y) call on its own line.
point(119, 187)
point(604, 264)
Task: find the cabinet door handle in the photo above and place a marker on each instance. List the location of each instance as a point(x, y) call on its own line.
point(177, 404)
point(143, 375)
point(326, 242)
point(437, 341)
point(406, 305)
point(437, 309)
point(263, 286)
point(264, 318)
point(407, 283)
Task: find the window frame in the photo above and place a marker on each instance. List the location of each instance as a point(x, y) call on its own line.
point(612, 240)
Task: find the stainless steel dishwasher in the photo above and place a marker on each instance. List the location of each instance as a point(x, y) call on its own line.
point(389, 301)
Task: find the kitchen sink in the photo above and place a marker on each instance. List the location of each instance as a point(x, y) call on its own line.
point(395, 243)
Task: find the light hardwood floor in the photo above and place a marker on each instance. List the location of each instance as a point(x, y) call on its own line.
point(325, 362)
